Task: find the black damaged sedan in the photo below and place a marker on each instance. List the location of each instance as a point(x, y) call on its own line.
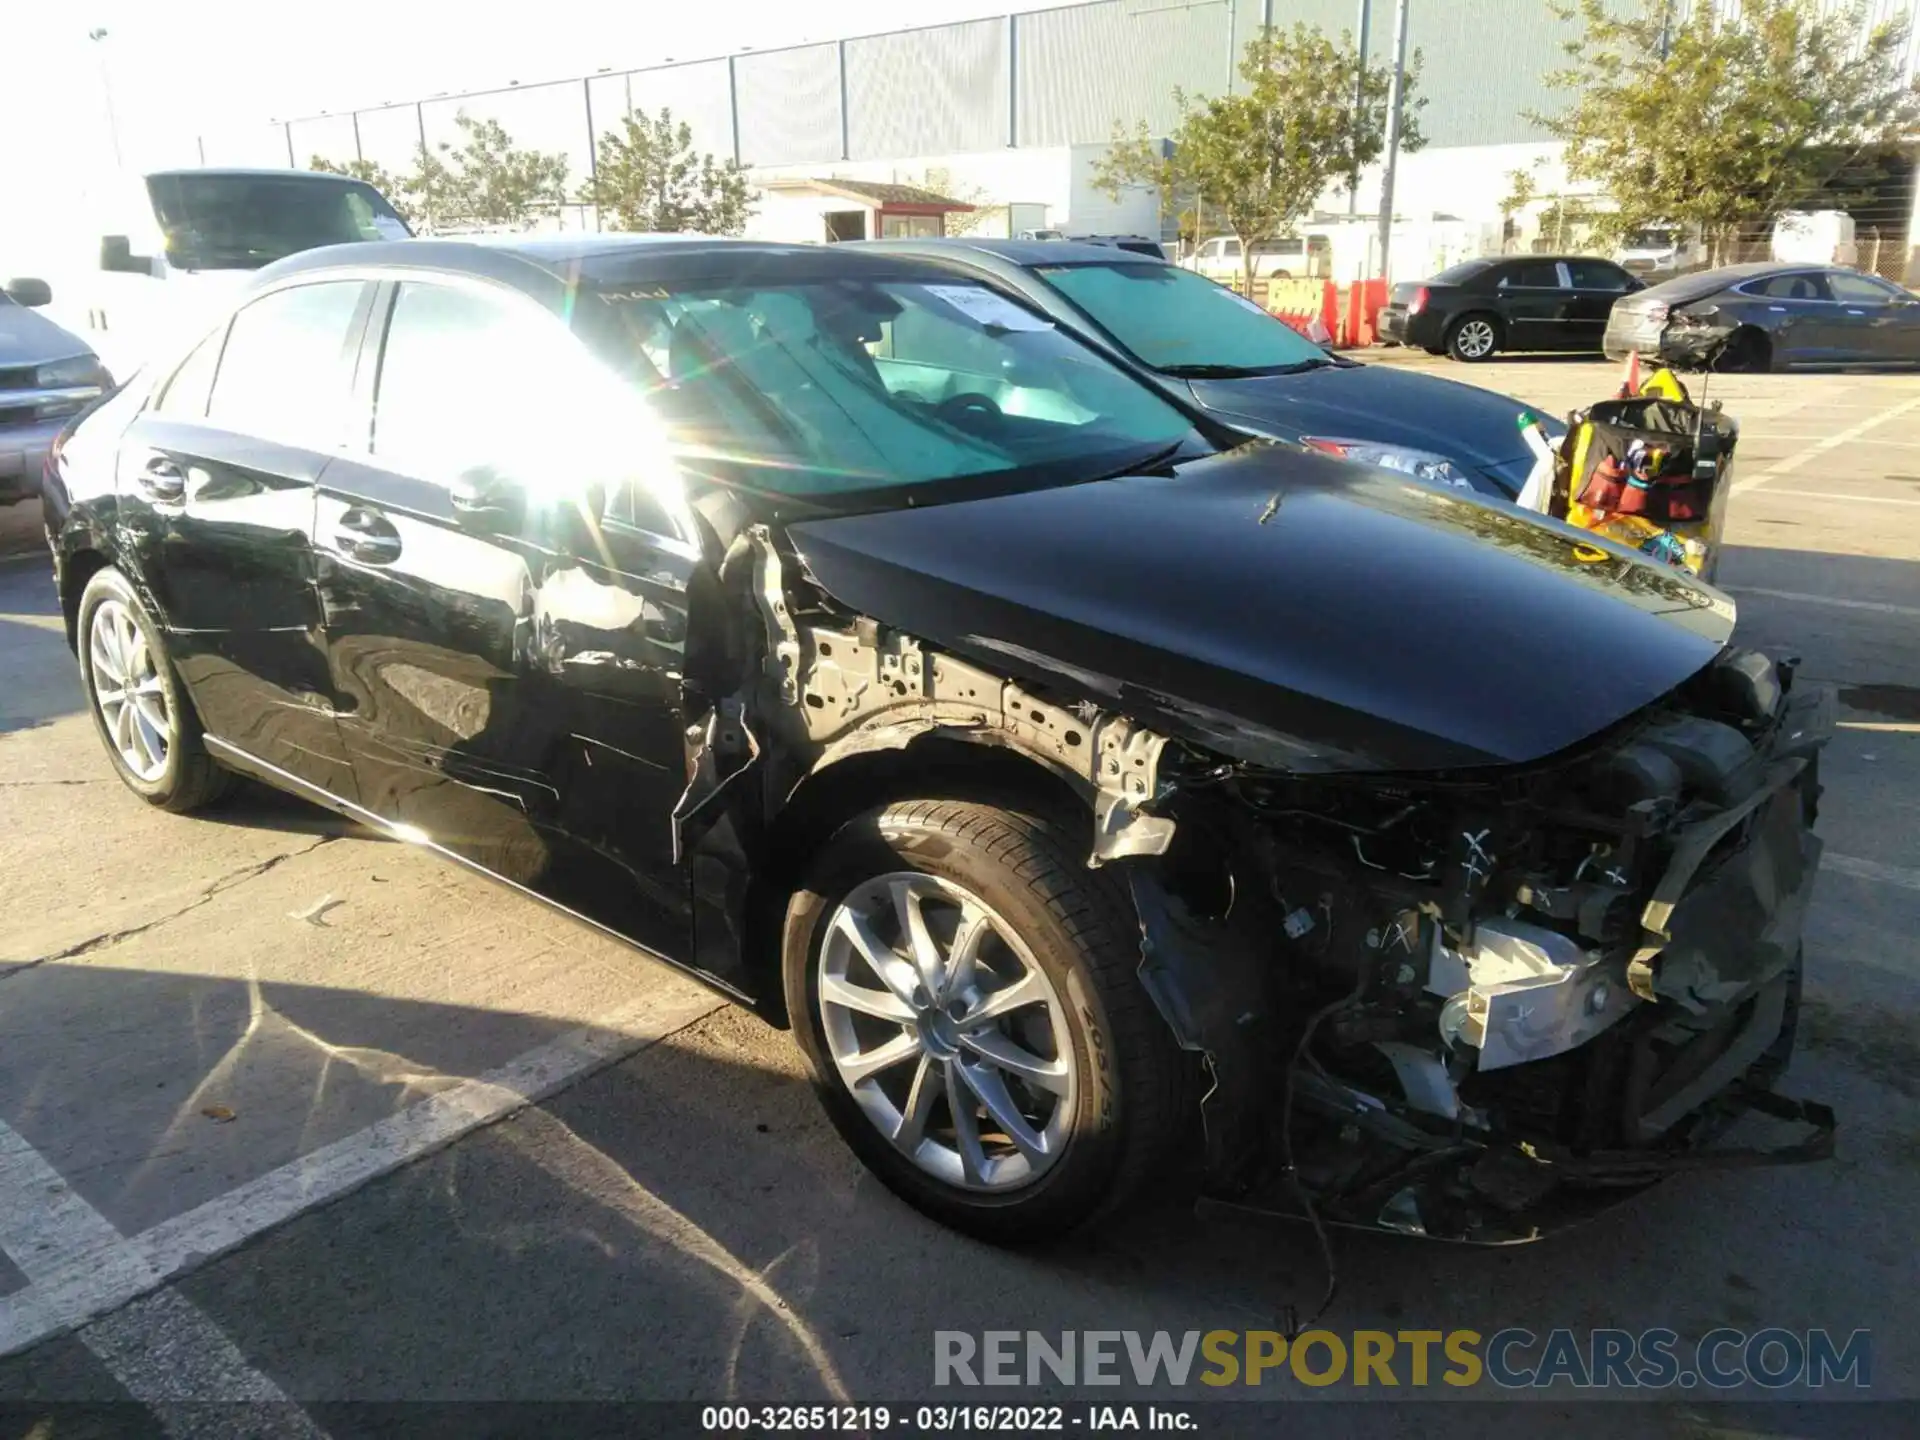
point(1087, 787)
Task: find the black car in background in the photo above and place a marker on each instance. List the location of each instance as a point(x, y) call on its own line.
point(1203, 343)
point(847, 633)
point(1478, 308)
point(1776, 315)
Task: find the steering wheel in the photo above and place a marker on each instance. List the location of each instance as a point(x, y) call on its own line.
point(955, 407)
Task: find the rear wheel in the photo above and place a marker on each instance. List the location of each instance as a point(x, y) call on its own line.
point(1473, 338)
point(964, 990)
point(139, 707)
point(1749, 352)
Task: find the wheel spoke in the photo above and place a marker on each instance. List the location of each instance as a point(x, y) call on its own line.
point(975, 927)
point(1027, 990)
point(109, 697)
point(1014, 1058)
point(893, 972)
point(147, 739)
point(139, 662)
point(123, 730)
point(920, 1097)
point(105, 662)
point(924, 949)
point(152, 709)
point(884, 1056)
point(966, 1125)
point(992, 1091)
point(882, 1004)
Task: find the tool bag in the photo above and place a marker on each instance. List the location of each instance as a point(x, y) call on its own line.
point(1647, 470)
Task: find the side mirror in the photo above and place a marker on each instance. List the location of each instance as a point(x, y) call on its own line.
point(116, 255)
point(30, 293)
point(489, 503)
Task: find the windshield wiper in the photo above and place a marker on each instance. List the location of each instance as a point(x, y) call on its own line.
point(1244, 372)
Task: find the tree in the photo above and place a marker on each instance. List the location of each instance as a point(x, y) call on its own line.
point(1262, 158)
point(649, 177)
point(486, 181)
point(1134, 159)
point(1723, 117)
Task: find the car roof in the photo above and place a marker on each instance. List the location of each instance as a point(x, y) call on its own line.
point(1024, 253)
point(1705, 282)
point(550, 265)
point(249, 172)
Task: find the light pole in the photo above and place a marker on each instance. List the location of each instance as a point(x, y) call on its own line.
point(97, 35)
point(1395, 98)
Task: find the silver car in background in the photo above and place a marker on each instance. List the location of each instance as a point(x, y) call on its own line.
point(47, 376)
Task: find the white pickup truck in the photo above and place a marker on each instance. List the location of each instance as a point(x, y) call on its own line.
point(162, 249)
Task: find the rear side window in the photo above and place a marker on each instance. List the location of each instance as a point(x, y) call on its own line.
point(286, 372)
point(1597, 275)
point(1789, 287)
point(1536, 275)
point(1461, 273)
point(188, 388)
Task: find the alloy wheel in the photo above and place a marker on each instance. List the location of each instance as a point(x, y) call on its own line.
point(127, 688)
point(1474, 339)
point(946, 1032)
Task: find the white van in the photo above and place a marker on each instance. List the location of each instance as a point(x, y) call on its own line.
point(1661, 250)
point(170, 246)
point(1815, 237)
point(1292, 258)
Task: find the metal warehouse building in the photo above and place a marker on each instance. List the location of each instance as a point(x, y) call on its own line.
point(1013, 110)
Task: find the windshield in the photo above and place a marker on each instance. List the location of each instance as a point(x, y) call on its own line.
point(837, 387)
point(1179, 321)
point(242, 222)
point(1650, 240)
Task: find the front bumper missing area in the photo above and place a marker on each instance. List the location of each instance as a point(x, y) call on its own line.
point(1512, 1194)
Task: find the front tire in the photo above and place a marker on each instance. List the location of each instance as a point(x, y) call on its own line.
point(140, 709)
point(945, 948)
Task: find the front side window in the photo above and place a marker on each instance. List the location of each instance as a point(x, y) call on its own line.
point(846, 387)
point(1175, 320)
point(286, 369)
point(1859, 289)
point(217, 221)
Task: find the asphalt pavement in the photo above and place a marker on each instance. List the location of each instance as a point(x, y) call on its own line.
point(294, 1116)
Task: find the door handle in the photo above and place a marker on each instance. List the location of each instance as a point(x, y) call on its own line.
point(162, 480)
point(367, 536)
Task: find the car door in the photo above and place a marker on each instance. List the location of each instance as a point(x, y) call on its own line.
point(1796, 311)
point(1867, 320)
point(1596, 284)
point(1535, 301)
point(216, 486)
point(506, 610)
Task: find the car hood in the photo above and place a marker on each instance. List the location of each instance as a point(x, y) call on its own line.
point(29, 338)
point(1288, 609)
point(1470, 426)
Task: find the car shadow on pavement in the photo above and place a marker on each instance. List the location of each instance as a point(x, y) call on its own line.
point(687, 1225)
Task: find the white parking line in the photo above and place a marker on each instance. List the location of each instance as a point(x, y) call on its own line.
point(1871, 870)
point(81, 1268)
point(1850, 499)
point(1880, 607)
point(47, 1229)
point(1833, 442)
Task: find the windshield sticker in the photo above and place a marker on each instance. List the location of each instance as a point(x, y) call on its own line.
point(390, 228)
point(988, 308)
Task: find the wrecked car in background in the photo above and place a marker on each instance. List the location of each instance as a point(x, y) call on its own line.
point(1080, 780)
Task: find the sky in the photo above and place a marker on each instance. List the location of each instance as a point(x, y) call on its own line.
point(188, 68)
